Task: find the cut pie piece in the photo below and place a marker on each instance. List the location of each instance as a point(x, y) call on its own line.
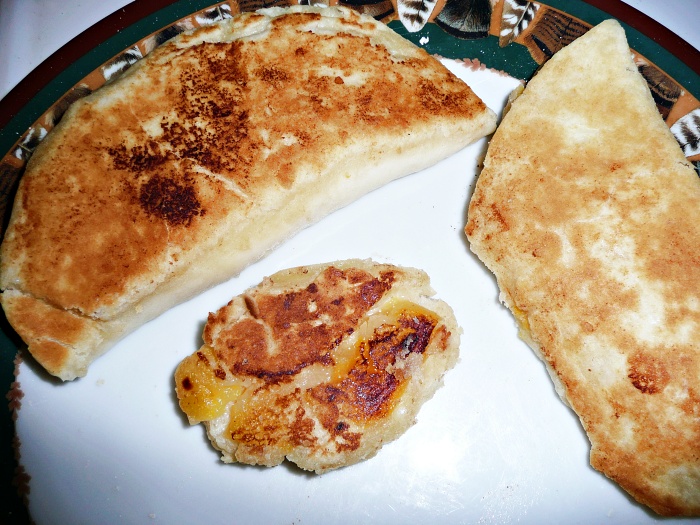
point(320, 365)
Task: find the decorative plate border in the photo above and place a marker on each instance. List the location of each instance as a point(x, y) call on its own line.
point(516, 36)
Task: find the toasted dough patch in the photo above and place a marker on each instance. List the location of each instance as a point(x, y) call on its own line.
point(587, 213)
point(320, 365)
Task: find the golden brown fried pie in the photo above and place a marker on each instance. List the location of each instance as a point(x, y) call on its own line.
point(203, 156)
point(320, 365)
point(588, 214)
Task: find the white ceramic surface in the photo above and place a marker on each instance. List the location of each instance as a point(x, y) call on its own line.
point(495, 445)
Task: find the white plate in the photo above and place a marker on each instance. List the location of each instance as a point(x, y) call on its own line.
point(495, 444)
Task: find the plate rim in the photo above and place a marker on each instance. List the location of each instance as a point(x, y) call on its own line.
point(145, 17)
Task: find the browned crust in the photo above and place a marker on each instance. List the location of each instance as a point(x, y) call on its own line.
point(312, 379)
point(212, 150)
point(241, 347)
point(54, 333)
point(587, 213)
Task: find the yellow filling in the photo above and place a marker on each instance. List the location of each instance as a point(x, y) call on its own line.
point(203, 396)
point(204, 390)
point(386, 313)
point(523, 323)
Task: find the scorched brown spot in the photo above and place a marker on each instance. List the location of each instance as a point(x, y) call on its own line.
point(166, 199)
point(647, 374)
point(369, 389)
point(327, 401)
point(420, 329)
point(137, 159)
point(499, 218)
point(368, 394)
point(436, 100)
point(390, 342)
point(294, 320)
point(272, 75)
point(282, 423)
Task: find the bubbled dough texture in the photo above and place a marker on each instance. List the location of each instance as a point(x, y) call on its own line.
point(587, 212)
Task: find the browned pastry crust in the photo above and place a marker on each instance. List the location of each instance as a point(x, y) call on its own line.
point(587, 213)
point(203, 156)
point(320, 364)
